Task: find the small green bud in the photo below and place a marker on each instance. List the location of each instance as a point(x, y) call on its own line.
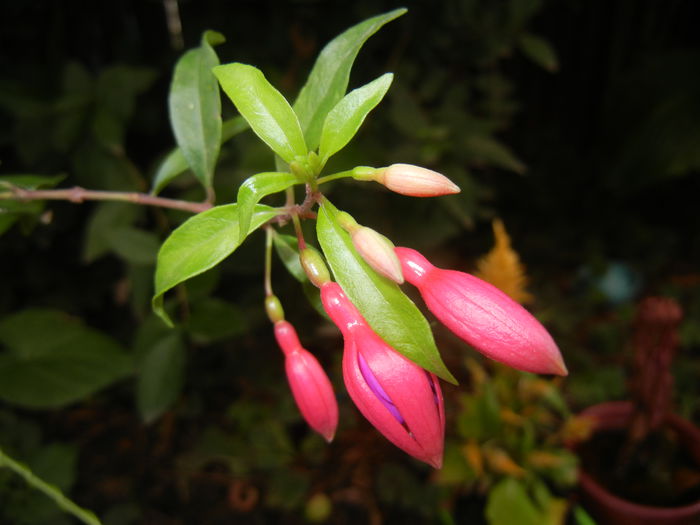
point(318, 508)
point(314, 266)
point(274, 309)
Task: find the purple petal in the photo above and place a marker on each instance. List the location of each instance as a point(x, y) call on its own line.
point(377, 389)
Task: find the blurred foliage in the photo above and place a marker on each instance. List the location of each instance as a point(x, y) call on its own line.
point(576, 122)
point(510, 446)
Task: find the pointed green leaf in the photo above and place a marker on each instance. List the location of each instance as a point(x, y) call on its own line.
point(347, 116)
point(255, 188)
point(267, 111)
point(195, 108)
point(198, 244)
point(30, 182)
point(161, 374)
point(174, 163)
point(329, 77)
point(387, 309)
point(134, 245)
point(509, 498)
point(51, 359)
point(539, 51)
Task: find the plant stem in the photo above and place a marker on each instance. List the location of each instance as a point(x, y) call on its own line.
point(298, 231)
point(335, 176)
point(269, 232)
point(78, 195)
point(49, 490)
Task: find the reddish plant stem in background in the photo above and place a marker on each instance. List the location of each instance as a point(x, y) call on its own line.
point(79, 195)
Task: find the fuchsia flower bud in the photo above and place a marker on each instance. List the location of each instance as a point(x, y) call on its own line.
point(310, 385)
point(403, 401)
point(415, 181)
point(373, 247)
point(483, 316)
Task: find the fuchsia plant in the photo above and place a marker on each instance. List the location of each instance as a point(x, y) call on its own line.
point(391, 364)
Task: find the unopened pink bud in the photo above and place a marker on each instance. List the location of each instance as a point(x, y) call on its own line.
point(379, 253)
point(483, 316)
point(402, 400)
point(415, 181)
point(311, 388)
point(373, 247)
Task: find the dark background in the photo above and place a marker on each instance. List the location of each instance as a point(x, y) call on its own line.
point(593, 166)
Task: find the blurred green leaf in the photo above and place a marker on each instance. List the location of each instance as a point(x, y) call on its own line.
point(255, 188)
point(195, 108)
point(68, 360)
point(136, 246)
point(30, 182)
point(486, 150)
point(115, 95)
point(160, 376)
point(329, 77)
point(56, 464)
point(174, 163)
point(265, 109)
point(508, 503)
point(199, 244)
point(346, 117)
point(582, 517)
point(385, 307)
point(212, 319)
point(287, 489)
point(539, 51)
point(107, 217)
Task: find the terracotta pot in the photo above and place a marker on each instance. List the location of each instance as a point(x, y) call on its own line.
point(610, 509)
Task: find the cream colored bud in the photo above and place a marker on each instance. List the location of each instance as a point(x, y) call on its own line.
point(415, 181)
point(378, 252)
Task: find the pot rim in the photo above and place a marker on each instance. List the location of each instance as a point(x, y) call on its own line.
point(621, 411)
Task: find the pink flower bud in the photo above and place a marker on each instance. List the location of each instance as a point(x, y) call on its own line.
point(310, 385)
point(483, 316)
point(378, 251)
point(415, 181)
point(373, 247)
point(403, 401)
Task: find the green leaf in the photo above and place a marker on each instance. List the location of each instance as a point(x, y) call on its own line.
point(107, 217)
point(174, 163)
point(387, 309)
point(52, 360)
point(347, 116)
point(6, 221)
point(267, 111)
point(195, 108)
point(200, 243)
point(329, 77)
point(161, 374)
point(539, 51)
point(509, 503)
point(487, 150)
point(136, 246)
point(30, 182)
point(212, 320)
point(255, 188)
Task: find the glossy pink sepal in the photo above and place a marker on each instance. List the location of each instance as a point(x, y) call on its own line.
point(402, 400)
point(311, 388)
point(483, 316)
